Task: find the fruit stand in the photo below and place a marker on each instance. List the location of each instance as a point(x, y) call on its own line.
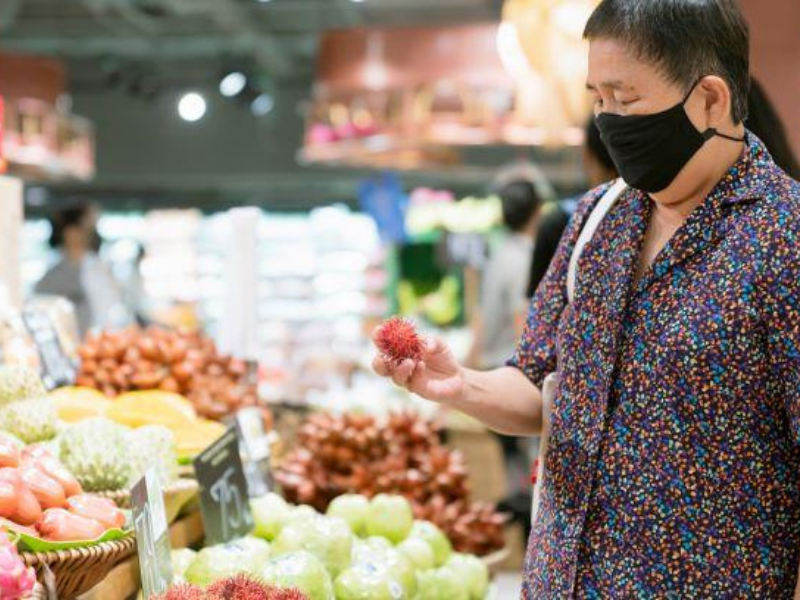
point(369, 506)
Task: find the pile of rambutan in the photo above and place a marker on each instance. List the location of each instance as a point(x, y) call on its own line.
point(238, 587)
point(397, 340)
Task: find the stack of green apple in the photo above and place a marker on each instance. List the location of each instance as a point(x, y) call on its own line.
point(360, 550)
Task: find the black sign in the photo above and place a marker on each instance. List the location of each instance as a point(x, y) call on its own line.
point(57, 368)
point(223, 490)
point(152, 535)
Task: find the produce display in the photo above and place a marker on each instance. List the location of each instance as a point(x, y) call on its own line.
point(106, 456)
point(338, 455)
point(40, 497)
point(154, 358)
point(141, 409)
point(322, 558)
point(232, 588)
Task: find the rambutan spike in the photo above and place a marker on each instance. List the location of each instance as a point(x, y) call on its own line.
point(397, 340)
point(239, 587)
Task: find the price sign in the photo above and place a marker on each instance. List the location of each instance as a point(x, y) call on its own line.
point(152, 534)
point(57, 368)
point(223, 490)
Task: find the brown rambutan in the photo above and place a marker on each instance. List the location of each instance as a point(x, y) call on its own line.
point(397, 340)
point(182, 591)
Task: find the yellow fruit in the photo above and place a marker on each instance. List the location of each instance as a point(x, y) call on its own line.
point(77, 403)
point(136, 409)
point(191, 440)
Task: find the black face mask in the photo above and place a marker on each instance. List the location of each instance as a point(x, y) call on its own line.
point(650, 150)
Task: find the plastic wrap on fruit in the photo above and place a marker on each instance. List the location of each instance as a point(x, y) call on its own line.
point(47, 490)
point(99, 509)
point(9, 452)
point(60, 525)
point(53, 468)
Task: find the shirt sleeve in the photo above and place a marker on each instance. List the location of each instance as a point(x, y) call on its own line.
point(782, 304)
point(536, 352)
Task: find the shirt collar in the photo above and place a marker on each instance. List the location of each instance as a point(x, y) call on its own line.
point(745, 181)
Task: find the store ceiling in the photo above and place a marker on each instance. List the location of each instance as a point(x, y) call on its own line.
point(146, 156)
point(279, 36)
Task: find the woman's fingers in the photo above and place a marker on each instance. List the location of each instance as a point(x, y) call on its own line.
point(402, 373)
point(380, 366)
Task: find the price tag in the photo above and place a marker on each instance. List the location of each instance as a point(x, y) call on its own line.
point(223, 490)
point(152, 534)
point(255, 451)
point(57, 368)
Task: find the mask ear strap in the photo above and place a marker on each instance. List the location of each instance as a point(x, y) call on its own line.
point(686, 97)
point(711, 132)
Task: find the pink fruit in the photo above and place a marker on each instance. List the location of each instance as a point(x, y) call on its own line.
point(99, 509)
point(61, 525)
point(16, 580)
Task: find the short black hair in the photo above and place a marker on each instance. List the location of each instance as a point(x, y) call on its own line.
point(686, 39)
point(597, 147)
point(764, 121)
point(73, 215)
point(520, 201)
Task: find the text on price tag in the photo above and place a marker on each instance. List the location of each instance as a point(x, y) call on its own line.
point(223, 490)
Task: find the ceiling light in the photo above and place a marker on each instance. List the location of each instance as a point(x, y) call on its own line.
point(232, 84)
point(262, 104)
point(192, 107)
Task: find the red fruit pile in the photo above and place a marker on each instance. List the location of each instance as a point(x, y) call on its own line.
point(155, 358)
point(401, 454)
point(238, 587)
point(397, 340)
point(40, 496)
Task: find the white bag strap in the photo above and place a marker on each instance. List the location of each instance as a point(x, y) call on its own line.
point(595, 218)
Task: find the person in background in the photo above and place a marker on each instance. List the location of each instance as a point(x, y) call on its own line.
point(763, 120)
point(599, 168)
point(80, 275)
point(502, 295)
point(503, 285)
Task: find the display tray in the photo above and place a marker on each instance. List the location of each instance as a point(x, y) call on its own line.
point(79, 569)
point(123, 580)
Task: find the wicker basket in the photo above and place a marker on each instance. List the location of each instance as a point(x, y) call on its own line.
point(77, 571)
point(176, 497)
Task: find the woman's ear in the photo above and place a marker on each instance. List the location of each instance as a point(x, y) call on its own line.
point(717, 101)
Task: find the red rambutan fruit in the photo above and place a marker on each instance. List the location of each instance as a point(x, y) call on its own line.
point(238, 587)
point(182, 591)
point(397, 340)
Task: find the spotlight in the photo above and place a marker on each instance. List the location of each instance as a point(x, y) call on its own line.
point(232, 84)
point(192, 107)
point(262, 104)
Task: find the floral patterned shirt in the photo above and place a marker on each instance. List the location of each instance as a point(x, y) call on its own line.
point(673, 468)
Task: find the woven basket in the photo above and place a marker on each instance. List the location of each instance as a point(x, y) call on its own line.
point(79, 570)
point(177, 496)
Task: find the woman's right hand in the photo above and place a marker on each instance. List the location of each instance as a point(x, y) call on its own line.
point(437, 376)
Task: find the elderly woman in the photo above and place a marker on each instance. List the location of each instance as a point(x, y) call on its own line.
point(672, 315)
